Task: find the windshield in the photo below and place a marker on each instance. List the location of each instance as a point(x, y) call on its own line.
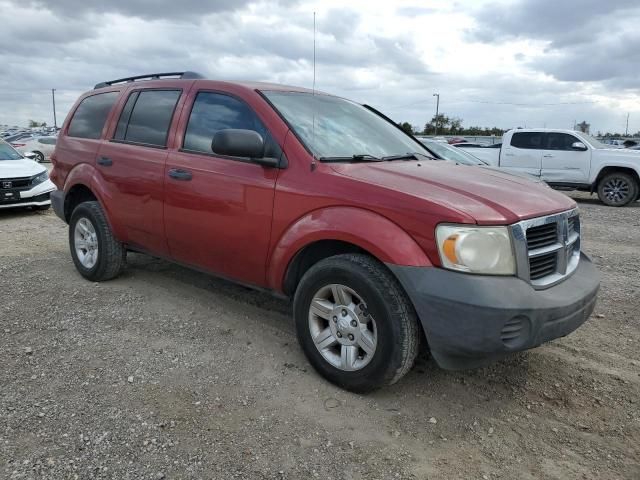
point(452, 154)
point(594, 142)
point(7, 152)
point(342, 128)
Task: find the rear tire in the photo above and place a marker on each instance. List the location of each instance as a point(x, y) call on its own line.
point(362, 332)
point(617, 189)
point(96, 253)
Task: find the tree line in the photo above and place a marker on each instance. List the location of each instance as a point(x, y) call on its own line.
point(441, 124)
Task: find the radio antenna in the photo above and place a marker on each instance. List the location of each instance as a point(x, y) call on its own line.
point(313, 126)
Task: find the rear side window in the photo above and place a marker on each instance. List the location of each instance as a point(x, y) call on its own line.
point(90, 116)
point(146, 117)
point(212, 112)
point(531, 140)
point(560, 141)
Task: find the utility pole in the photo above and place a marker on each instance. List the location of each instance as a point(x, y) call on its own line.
point(53, 98)
point(626, 130)
point(437, 95)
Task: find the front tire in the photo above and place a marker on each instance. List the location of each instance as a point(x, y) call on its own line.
point(39, 156)
point(97, 255)
point(355, 323)
point(617, 189)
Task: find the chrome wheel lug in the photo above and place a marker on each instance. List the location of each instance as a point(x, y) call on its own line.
point(344, 312)
point(354, 323)
point(335, 319)
point(339, 334)
point(350, 337)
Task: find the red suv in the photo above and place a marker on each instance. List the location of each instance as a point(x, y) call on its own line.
point(325, 201)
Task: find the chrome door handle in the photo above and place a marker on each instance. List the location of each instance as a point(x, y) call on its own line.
point(547, 156)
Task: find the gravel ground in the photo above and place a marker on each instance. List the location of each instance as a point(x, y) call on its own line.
point(169, 373)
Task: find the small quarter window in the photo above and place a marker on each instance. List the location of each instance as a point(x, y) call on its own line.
point(91, 115)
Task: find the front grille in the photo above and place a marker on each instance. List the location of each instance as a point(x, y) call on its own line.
point(15, 183)
point(547, 248)
point(543, 265)
point(542, 236)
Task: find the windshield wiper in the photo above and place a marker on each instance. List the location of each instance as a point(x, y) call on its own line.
point(407, 156)
point(364, 157)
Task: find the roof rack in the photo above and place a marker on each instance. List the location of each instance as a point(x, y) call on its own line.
point(151, 76)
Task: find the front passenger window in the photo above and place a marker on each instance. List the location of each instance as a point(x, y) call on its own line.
point(213, 112)
point(560, 141)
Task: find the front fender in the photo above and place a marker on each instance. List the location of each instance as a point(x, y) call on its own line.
point(370, 231)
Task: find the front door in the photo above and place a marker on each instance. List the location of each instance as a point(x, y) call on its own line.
point(561, 163)
point(218, 209)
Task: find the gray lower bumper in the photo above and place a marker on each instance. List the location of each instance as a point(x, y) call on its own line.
point(57, 202)
point(471, 320)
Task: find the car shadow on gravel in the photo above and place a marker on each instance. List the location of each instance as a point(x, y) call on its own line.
point(499, 379)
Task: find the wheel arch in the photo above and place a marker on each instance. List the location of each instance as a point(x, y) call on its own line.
point(612, 169)
point(336, 230)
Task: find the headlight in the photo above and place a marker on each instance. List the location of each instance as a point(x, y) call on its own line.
point(476, 249)
point(43, 177)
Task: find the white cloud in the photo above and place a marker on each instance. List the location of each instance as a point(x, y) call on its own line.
point(480, 57)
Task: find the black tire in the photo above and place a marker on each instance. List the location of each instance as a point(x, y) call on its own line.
point(627, 189)
point(111, 253)
point(395, 318)
point(39, 156)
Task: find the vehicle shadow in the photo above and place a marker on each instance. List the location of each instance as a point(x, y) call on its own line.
point(496, 383)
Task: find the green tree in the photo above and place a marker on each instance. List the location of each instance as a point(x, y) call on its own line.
point(406, 126)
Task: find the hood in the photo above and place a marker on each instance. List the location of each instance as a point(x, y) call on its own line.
point(20, 168)
point(485, 195)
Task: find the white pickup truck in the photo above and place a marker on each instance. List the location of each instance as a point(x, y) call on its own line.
point(566, 159)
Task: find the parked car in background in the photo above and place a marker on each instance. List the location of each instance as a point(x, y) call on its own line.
point(42, 147)
point(23, 182)
point(15, 137)
point(328, 202)
point(461, 157)
point(569, 160)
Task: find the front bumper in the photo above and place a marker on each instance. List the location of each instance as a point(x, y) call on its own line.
point(472, 320)
point(35, 197)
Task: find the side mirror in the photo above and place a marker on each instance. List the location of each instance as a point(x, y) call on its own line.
point(238, 143)
point(578, 146)
point(30, 155)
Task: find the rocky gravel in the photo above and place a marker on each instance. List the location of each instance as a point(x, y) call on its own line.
point(166, 373)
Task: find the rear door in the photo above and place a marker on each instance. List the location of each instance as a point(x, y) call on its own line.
point(523, 154)
point(561, 163)
point(131, 166)
point(218, 209)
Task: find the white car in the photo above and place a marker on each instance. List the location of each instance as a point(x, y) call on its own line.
point(567, 159)
point(23, 182)
point(42, 147)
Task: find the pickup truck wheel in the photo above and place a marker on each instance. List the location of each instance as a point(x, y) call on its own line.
point(617, 189)
point(96, 253)
point(355, 323)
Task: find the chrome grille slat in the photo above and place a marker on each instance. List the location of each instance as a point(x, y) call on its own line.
point(547, 248)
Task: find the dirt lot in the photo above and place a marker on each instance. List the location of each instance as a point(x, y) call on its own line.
point(169, 373)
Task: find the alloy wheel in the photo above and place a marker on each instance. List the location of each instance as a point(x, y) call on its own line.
point(85, 241)
point(342, 328)
point(617, 190)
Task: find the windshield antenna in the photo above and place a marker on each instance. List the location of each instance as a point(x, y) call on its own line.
point(313, 127)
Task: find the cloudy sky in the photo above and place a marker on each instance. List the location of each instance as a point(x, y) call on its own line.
point(512, 63)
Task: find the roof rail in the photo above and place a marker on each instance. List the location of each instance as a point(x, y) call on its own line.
point(151, 76)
